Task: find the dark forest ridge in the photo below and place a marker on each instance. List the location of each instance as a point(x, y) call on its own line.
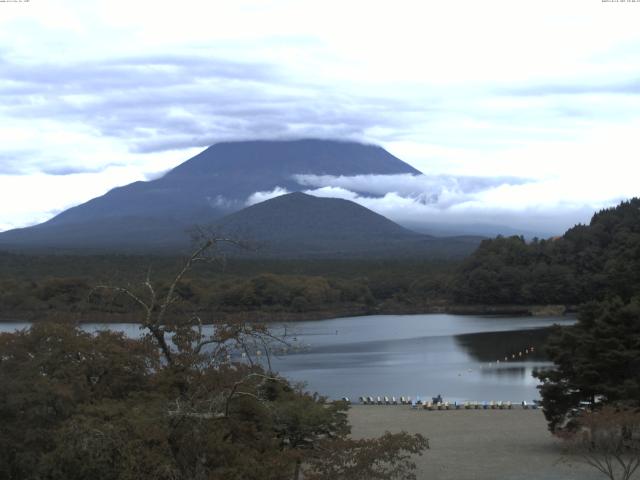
point(588, 262)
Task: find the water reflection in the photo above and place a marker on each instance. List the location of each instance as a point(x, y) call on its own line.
point(506, 346)
point(422, 354)
point(513, 372)
point(426, 355)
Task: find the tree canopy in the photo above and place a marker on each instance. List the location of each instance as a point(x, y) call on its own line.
point(598, 358)
point(589, 262)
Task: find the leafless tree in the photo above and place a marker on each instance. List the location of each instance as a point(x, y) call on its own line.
point(608, 439)
point(184, 341)
point(178, 334)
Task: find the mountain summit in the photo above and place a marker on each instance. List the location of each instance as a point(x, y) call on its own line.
point(281, 159)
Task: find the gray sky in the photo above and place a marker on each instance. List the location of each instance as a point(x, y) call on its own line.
point(545, 94)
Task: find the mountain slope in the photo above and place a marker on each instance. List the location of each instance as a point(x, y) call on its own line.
point(216, 182)
point(222, 177)
point(297, 221)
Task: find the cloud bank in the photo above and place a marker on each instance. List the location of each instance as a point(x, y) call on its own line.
point(454, 204)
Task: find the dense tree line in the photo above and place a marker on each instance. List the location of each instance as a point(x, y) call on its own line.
point(589, 262)
point(268, 287)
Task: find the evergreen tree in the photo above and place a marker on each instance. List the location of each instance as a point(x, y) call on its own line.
point(598, 358)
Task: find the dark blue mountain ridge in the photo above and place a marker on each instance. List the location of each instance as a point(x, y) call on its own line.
point(216, 182)
point(219, 180)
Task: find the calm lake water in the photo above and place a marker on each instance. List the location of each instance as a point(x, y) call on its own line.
point(426, 355)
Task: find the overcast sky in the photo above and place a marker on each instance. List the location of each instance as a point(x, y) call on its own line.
point(96, 94)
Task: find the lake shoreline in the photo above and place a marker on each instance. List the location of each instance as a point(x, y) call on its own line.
point(261, 316)
point(461, 356)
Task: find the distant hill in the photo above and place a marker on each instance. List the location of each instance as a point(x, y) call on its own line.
point(296, 223)
point(589, 262)
point(155, 214)
point(475, 229)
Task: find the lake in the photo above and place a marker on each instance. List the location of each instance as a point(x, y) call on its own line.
point(461, 357)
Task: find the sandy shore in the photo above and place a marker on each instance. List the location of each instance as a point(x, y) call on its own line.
point(476, 444)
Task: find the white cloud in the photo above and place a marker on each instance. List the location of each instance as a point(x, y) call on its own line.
point(258, 197)
point(545, 206)
point(31, 199)
point(423, 186)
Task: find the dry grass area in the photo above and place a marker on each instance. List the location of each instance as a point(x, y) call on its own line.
point(476, 444)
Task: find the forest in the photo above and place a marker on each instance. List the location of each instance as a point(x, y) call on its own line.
point(589, 262)
point(37, 287)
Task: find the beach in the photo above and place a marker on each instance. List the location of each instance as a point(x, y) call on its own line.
point(476, 444)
